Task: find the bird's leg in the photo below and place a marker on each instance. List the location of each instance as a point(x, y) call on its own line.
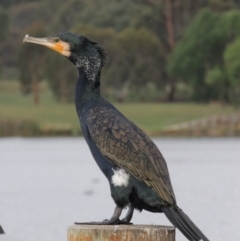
point(129, 214)
point(113, 220)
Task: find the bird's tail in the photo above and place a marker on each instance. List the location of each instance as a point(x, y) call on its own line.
point(181, 221)
point(1, 230)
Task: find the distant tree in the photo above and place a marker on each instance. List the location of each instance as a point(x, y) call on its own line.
point(0, 71)
point(103, 14)
point(136, 63)
point(168, 20)
point(171, 43)
point(31, 64)
point(9, 48)
point(4, 24)
point(4, 27)
point(198, 57)
point(24, 15)
point(61, 76)
point(8, 3)
point(217, 84)
point(66, 15)
point(232, 66)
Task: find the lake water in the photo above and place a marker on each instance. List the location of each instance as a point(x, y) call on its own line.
point(46, 184)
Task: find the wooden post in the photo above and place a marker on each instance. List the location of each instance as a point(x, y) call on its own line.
point(121, 233)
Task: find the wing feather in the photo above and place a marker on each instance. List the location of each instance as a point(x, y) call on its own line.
point(126, 146)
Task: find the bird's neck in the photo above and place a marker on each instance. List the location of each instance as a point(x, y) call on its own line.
point(86, 90)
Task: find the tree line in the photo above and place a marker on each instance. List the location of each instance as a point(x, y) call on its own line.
point(158, 50)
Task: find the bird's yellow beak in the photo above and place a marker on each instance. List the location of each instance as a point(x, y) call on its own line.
point(50, 42)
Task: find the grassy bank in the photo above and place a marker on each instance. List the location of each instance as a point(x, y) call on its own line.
point(152, 117)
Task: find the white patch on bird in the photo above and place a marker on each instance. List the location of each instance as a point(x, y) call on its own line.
point(90, 64)
point(120, 178)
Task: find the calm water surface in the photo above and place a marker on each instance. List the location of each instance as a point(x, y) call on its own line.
point(47, 184)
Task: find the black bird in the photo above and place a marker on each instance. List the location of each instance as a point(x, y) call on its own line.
point(1, 230)
point(135, 168)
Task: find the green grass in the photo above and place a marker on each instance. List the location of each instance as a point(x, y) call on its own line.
point(149, 116)
point(155, 116)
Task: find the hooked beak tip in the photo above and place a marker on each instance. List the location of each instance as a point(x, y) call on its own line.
point(26, 38)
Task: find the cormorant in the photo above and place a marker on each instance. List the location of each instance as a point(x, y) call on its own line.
point(1, 230)
point(135, 168)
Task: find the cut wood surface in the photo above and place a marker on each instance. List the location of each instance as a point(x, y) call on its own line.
point(121, 233)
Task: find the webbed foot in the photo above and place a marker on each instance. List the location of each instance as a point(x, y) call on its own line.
point(106, 222)
point(114, 220)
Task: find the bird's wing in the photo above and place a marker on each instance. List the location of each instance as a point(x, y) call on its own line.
point(159, 163)
point(118, 140)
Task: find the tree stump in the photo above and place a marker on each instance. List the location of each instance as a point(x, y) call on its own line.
point(121, 233)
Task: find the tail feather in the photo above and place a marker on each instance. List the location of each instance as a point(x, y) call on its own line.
point(1, 230)
point(181, 221)
point(195, 228)
point(174, 219)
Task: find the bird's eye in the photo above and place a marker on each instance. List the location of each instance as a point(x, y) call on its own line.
point(56, 40)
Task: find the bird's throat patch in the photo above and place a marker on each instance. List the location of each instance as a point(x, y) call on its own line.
point(61, 47)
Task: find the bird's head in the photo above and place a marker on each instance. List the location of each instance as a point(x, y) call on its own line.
point(86, 55)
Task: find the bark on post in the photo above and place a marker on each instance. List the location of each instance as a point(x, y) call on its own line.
point(121, 233)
